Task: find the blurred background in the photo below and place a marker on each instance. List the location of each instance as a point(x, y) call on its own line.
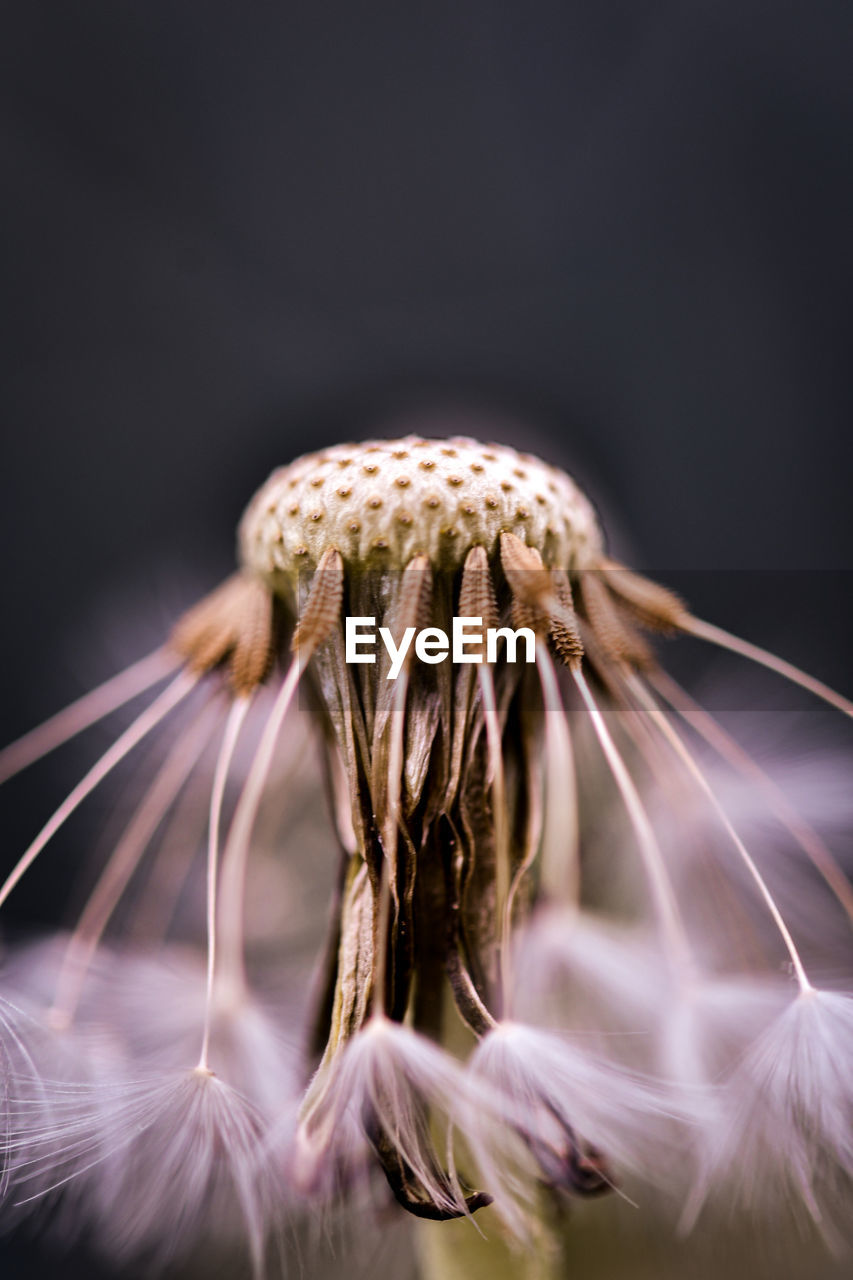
point(615, 233)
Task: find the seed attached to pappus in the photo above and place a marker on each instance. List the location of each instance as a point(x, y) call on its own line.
point(462, 810)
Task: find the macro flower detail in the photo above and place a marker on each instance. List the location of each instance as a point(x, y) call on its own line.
point(478, 1032)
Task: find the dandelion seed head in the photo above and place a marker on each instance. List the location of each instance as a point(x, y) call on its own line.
point(534, 862)
point(382, 502)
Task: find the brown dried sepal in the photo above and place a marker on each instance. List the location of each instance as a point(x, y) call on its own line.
point(477, 593)
point(235, 624)
point(542, 598)
point(528, 579)
point(407, 1188)
point(412, 605)
point(323, 607)
point(653, 606)
point(611, 624)
point(565, 634)
point(529, 582)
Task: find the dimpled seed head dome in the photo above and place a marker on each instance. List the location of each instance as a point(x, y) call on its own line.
point(384, 501)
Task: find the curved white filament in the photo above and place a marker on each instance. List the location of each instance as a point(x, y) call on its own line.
point(650, 851)
point(236, 852)
point(233, 726)
point(132, 736)
point(692, 767)
point(716, 635)
point(86, 711)
point(122, 864)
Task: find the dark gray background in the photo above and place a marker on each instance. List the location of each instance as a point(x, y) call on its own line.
point(234, 232)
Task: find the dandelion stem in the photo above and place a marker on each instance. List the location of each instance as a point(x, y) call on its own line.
point(233, 726)
point(716, 635)
point(690, 764)
point(132, 736)
point(86, 711)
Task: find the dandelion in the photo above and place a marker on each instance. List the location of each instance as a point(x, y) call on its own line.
point(478, 1033)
